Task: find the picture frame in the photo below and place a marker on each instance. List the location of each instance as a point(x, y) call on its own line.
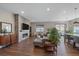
point(5, 27)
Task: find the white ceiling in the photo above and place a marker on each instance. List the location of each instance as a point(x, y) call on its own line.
point(38, 11)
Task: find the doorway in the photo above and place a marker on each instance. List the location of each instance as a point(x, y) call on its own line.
point(61, 29)
point(30, 31)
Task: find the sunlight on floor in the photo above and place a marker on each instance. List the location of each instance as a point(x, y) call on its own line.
point(61, 48)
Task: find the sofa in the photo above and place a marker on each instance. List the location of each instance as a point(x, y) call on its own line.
point(39, 41)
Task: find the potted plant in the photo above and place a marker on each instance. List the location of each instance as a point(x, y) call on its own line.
point(54, 36)
point(53, 39)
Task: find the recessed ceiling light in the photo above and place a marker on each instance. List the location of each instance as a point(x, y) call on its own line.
point(64, 11)
point(22, 12)
point(48, 9)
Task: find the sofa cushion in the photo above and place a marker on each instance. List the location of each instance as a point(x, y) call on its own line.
point(37, 40)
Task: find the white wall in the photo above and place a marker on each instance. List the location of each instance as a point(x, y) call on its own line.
point(7, 17)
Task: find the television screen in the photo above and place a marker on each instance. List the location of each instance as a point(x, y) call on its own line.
point(25, 26)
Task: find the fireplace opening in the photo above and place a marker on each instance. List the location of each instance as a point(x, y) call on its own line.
point(25, 35)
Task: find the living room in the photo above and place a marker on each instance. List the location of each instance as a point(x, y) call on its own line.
point(25, 28)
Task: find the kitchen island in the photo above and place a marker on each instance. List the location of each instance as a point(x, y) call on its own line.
point(72, 39)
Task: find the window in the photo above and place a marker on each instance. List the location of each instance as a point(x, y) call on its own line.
point(39, 28)
point(76, 29)
point(60, 28)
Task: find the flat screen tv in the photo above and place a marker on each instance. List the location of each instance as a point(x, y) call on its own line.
point(25, 26)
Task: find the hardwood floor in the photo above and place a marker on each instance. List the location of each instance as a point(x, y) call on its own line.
point(72, 51)
point(26, 48)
